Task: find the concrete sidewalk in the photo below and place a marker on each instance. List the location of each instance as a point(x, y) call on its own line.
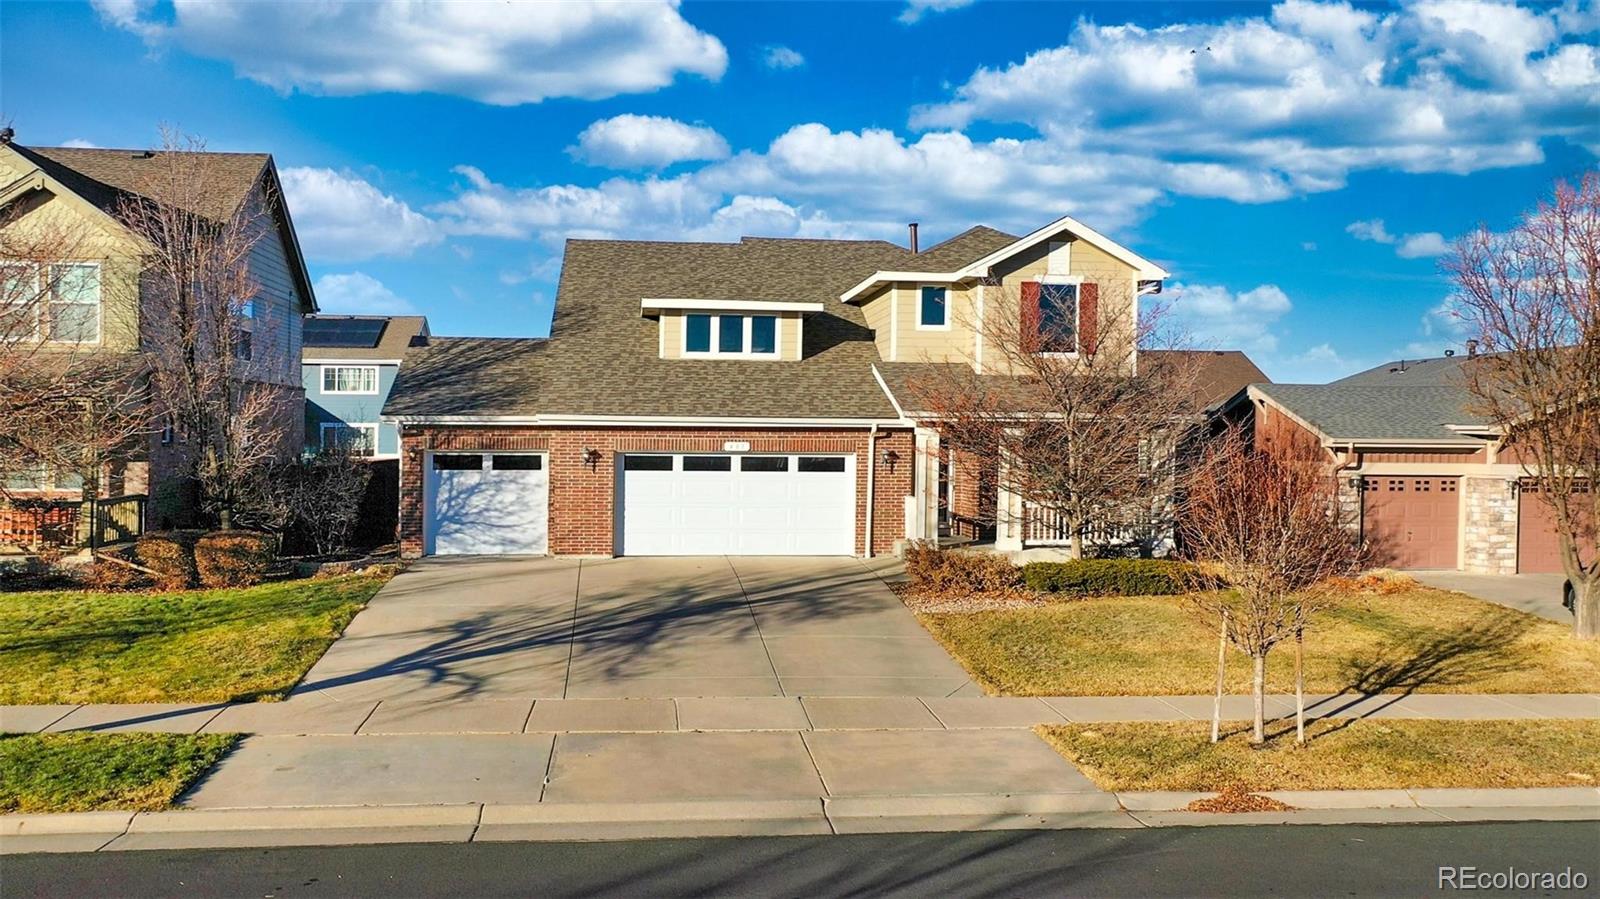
point(313, 715)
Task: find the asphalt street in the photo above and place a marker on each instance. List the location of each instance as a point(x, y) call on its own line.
point(1304, 860)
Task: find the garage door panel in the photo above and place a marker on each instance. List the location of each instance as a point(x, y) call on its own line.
point(1538, 545)
point(485, 510)
point(744, 505)
point(1411, 522)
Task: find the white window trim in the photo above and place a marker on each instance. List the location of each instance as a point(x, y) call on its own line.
point(324, 427)
point(1077, 310)
point(716, 334)
point(43, 323)
point(322, 381)
point(917, 300)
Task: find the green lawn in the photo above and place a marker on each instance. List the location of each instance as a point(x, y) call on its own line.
point(91, 772)
point(1340, 755)
point(195, 646)
point(1418, 640)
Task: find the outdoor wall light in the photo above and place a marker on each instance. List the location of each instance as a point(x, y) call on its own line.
point(591, 456)
point(1511, 485)
point(1355, 482)
point(890, 457)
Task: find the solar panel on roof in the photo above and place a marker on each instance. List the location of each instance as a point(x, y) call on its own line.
point(345, 332)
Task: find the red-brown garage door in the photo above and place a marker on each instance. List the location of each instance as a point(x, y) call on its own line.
point(1538, 548)
point(1410, 522)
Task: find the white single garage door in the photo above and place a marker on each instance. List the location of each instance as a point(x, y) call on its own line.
point(758, 505)
point(487, 504)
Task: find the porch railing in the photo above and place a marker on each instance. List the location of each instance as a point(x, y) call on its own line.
point(1043, 526)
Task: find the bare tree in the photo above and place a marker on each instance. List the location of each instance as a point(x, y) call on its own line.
point(1064, 411)
point(1531, 298)
point(317, 499)
point(212, 370)
point(73, 387)
point(1272, 527)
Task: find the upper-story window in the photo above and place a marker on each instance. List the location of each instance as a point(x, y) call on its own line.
point(244, 330)
point(1058, 318)
point(60, 302)
point(705, 334)
point(933, 308)
point(350, 379)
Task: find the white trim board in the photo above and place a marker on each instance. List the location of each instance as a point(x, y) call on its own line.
point(651, 303)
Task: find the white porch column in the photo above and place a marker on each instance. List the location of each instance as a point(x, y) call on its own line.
point(925, 485)
point(1007, 515)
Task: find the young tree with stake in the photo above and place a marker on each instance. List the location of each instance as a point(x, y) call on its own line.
point(1270, 524)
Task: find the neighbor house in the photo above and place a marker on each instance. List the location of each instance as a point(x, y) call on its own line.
point(348, 365)
point(72, 196)
point(733, 398)
point(1431, 482)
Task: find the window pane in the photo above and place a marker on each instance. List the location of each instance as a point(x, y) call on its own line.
point(518, 462)
point(69, 480)
point(763, 333)
point(646, 463)
point(19, 302)
point(457, 462)
point(730, 336)
point(74, 322)
point(822, 463)
point(32, 477)
point(697, 333)
point(76, 283)
point(707, 463)
point(933, 306)
point(764, 463)
point(1058, 318)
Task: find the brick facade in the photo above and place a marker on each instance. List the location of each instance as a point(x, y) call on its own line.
point(582, 497)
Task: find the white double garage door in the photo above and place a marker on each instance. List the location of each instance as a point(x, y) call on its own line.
point(667, 504)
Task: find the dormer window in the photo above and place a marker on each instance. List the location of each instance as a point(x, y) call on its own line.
point(751, 336)
point(933, 308)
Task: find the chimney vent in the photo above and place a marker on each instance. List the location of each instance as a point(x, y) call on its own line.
point(6, 134)
point(1472, 349)
point(913, 228)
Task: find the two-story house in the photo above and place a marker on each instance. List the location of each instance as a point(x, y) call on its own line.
point(101, 303)
point(348, 365)
point(731, 398)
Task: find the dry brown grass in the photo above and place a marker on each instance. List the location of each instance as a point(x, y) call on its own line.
point(1416, 640)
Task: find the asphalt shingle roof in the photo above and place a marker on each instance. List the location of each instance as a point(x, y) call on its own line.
point(1375, 413)
point(470, 376)
point(399, 334)
point(968, 246)
point(104, 177)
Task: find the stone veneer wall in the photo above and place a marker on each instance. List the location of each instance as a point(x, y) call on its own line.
point(1489, 533)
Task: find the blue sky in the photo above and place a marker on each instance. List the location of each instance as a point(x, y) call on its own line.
point(1297, 166)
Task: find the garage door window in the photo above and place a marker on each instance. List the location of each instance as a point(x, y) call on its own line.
point(822, 463)
point(764, 463)
point(518, 463)
point(457, 462)
point(647, 463)
point(707, 463)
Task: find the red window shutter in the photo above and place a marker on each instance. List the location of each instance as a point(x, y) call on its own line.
point(1088, 318)
point(1030, 316)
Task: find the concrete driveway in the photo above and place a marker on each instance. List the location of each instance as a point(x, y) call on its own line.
point(1539, 594)
point(500, 628)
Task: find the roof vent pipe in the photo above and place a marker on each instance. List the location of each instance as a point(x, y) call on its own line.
point(913, 228)
point(1472, 349)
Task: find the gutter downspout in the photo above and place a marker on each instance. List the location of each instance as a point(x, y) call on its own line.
point(872, 465)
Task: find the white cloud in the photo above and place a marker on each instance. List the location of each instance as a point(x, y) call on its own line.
point(1317, 365)
point(1370, 230)
point(916, 9)
point(640, 141)
point(80, 143)
point(506, 53)
point(778, 56)
point(357, 293)
point(1217, 317)
point(1310, 246)
point(1421, 246)
point(1295, 100)
point(340, 216)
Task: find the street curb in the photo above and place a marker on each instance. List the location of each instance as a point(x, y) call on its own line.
point(900, 814)
point(354, 825)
